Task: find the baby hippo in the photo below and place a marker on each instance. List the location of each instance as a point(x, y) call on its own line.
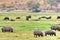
point(38, 33)
point(50, 32)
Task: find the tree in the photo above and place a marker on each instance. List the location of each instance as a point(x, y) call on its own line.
point(3, 6)
point(55, 3)
point(33, 5)
point(52, 2)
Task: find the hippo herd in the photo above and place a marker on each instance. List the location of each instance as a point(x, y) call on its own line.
point(29, 17)
point(38, 33)
point(45, 17)
point(7, 18)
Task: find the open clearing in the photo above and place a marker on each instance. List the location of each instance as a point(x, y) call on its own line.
point(23, 30)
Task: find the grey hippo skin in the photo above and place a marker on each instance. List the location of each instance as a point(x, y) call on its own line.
point(50, 32)
point(38, 33)
point(7, 29)
point(54, 27)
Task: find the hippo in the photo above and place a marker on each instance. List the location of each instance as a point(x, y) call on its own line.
point(38, 33)
point(43, 17)
point(50, 32)
point(7, 29)
point(17, 17)
point(48, 17)
point(58, 28)
point(28, 17)
point(12, 20)
point(39, 18)
point(6, 18)
point(54, 27)
point(58, 17)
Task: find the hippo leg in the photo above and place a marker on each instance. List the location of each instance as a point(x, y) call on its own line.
point(3, 30)
point(35, 35)
point(11, 30)
point(42, 35)
point(39, 35)
point(51, 34)
point(45, 34)
point(55, 29)
point(54, 34)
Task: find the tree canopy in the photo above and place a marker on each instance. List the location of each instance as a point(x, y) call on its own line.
point(33, 5)
point(53, 2)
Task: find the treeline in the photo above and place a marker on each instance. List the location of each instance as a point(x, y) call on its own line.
point(31, 5)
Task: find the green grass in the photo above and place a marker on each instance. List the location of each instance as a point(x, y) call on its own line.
point(23, 30)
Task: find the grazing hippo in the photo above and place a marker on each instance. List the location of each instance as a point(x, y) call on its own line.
point(38, 33)
point(50, 32)
point(12, 20)
point(48, 17)
point(6, 18)
point(39, 18)
point(7, 29)
point(54, 27)
point(58, 28)
point(58, 17)
point(17, 17)
point(43, 17)
point(28, 17)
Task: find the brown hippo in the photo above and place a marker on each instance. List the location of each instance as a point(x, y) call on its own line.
point(7, 29)
point(38, 33)
point(50, 32)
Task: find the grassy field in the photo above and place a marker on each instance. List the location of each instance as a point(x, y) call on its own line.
point(23, 30)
